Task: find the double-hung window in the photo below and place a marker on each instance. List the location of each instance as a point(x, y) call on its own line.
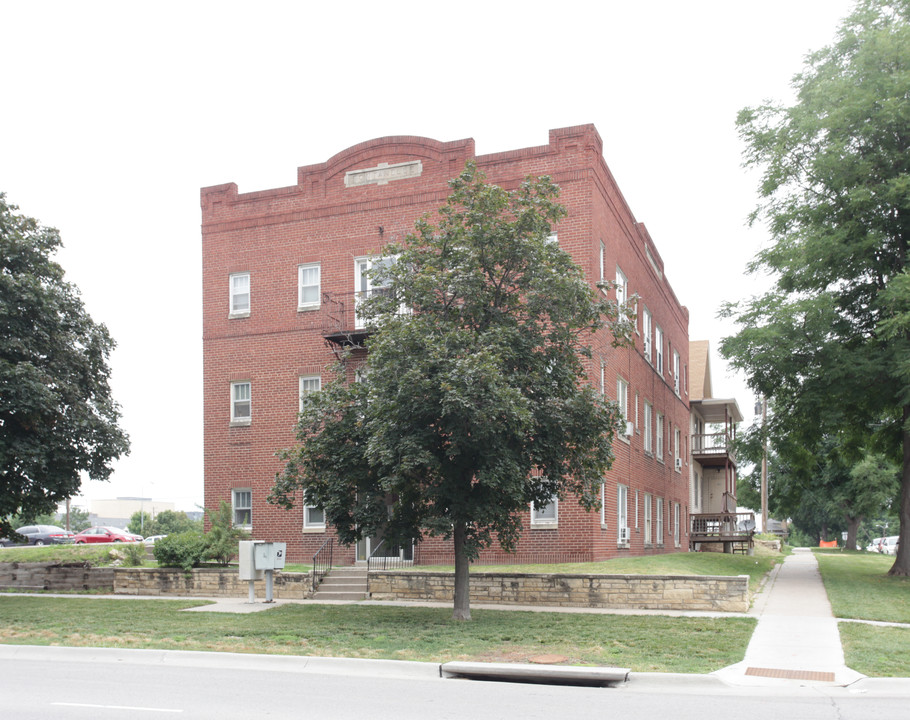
point(647, 332)
point(677, 460)
point(676, 371)
point(622, 287)
point(659, 341)
point(660, 521)
point(545, 515)
point(239, 294)
point(622, 514)
point(603, 263)
point(659, 448)
point(308, 286)
point(676, 524)
point(648, 427)
point(647, 528)
point(241, 403)
point(313, 518)
point(308, 385)
point(242, 503)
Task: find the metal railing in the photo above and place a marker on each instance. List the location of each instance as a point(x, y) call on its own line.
point(392, 557)
point(322, 562)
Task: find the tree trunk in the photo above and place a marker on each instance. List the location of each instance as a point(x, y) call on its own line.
point(852, 528)
point(902, 561)
point(462, 610)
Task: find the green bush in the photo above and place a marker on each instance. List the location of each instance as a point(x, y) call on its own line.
point(223, 538)
point(184, 550)
point(134, 554)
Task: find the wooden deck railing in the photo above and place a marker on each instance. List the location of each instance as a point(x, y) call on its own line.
point(722, 527)
point(719, 443)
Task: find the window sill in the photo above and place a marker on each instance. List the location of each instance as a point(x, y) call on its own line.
point(235, 315)
point(314, 530)
point(241, 423)
point(660, 460)
point(622, 546)
point(544, 526)
point(307, 308)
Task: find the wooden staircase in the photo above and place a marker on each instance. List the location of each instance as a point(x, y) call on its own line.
point(343, 583)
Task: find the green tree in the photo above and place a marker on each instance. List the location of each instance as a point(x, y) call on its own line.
point(166, 522)
point(830, 342)
point(57, 418)
point(471, 404)
point(141, 523)
point(79, 519)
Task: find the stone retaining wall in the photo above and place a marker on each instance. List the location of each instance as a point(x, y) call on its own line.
point(55, 576)
point(205, 582)
point(643, 592)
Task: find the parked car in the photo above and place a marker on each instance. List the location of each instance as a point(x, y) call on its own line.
point(150, 540)
point(889, 545)
point(105, 535)
point(40, 535)
point(875, 545)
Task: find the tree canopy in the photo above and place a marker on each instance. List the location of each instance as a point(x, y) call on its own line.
point(829, 344)
point(471, 403)
point(57, 417)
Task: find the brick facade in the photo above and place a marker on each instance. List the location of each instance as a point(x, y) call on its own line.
point(333, 215)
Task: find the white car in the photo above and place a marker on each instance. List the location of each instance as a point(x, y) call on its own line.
point(889, 545)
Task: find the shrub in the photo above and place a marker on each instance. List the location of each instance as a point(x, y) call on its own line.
point(184, 550)
point(134, 554)
point(223, 538)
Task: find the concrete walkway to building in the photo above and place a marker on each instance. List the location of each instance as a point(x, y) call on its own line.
point(796, 639)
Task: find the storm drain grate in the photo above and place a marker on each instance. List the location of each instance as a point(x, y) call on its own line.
point(791, 674)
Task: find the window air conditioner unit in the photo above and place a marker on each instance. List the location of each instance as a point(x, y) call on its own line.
point(623, 534)
point(630, 428)
point(679, 463)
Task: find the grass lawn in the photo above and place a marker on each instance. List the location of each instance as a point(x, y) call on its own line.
point(859, 587)
point(645, 644)
point(682, 563)
point(97, 555)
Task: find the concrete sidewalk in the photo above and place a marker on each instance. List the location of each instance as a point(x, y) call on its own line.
point(796, 640)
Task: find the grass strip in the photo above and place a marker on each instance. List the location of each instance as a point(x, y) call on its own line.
point(642, 643)
point(876, 651)
point(859, 586)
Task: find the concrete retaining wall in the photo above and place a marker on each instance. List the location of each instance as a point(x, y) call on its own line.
point(643, 592)
point(205, 582)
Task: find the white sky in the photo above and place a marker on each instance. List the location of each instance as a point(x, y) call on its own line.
point(115, 114)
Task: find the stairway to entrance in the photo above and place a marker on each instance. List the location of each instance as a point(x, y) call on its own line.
point(343, 583)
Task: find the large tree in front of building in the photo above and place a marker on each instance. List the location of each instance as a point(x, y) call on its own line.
point(57, 417)
point(829, 344)
point(473, 403)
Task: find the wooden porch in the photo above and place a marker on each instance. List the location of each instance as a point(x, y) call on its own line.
point(733, 529)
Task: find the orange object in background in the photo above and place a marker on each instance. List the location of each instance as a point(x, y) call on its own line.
point(827, 543)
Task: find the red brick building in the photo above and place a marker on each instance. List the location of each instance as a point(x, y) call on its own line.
point(280, 271)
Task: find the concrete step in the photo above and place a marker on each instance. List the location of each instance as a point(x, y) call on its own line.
point(338, 595)
point(344, 580)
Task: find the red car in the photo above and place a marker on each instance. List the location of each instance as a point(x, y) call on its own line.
point(105, 535)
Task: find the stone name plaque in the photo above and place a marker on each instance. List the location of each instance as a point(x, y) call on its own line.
point(383, 174)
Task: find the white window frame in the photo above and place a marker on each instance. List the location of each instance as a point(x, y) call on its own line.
point(235, 307)
point(309, 524)
point(647, 330)
point(238, 494)
point(659, 341)
point(677, 465)
point(603, 378)
point(553, 238)
point(307, 384)
point(548, 516)
point(622, 397)
point(364, 286)
point(647, 523)
point(603, 505)
point(660, 521)
point(308, 269)
point(648, 439)
point(659, 437)
point(622, 515)
point(238, 400)
point(622, 287)
point(676, 524)
point(676, 372)
point(603, 265)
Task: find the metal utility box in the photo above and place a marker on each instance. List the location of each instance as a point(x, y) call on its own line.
point(247, 560)
point(269, 555)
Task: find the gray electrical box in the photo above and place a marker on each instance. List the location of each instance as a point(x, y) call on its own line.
point(269, 555)
point(247, 560)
